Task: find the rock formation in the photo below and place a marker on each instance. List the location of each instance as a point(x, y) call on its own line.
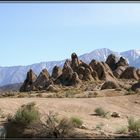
point(75, 71)
point(117, 73)
point(87, 76)
point(65, 78)
point(43, 80)
point(110, 85)
point(136, 86)
point(74, 61)
point(138, 73)
point(122, 62)
point(117, 67)
point(130, 73)
point(28, 83)
point(112, 61)
point(75, 79)
point(103, 70)
point(56, 72)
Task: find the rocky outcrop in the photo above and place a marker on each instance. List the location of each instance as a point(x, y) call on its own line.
point(52, 88)
point(28, 83)
point(95, 75)
point(117, 73)
point(82, 64)
point(136, 86)
point(138, 73)
point(112, 61)
point(43, 80)
point(103, 70)
point(85, 72)
point(76, 71)
point(56, 72)
point(74, 61)
point(75, 79)
point(129, 73)
point(87, 75)
point(67, 63)
point(110, 85)
point(117, 67)
point(122, 62)
point(66, 76)
point(98, 67)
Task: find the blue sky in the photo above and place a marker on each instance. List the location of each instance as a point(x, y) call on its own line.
point(36, 32)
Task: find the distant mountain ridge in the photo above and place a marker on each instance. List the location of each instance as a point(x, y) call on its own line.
point(17, 74)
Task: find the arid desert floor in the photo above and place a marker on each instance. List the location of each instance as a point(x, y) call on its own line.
point(127, 106)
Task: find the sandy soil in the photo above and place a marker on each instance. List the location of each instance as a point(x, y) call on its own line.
point(84, 108)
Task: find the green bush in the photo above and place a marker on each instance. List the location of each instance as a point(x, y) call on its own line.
point(26, 114)
point(134, 126)
point(24, 122)
point(122, 130)
point(101, 112)
point(99, 126)
point(76, 121)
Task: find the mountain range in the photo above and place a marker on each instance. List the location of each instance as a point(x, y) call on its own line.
point(17, 74)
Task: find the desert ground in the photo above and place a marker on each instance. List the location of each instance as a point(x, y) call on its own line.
point(83, 108)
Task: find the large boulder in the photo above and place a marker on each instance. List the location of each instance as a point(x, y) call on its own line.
point(110, 85)
point(87, 75)
point(117, 73)
point(74, 61)
point(67, 63)
point(122, 62)
point(135, 86)
point(121, 66)
point(129, 73)
point(83, 64)
point(86, 72)
point(111, 61)
point(66, 76)
point(103, 70)
point(56, 72)
point(94, 75)
point(81, 70)
point(138, 72)
point(28, 83)
point(69, 76)
point(74, 80)
point(98, 67)
point(43, 80)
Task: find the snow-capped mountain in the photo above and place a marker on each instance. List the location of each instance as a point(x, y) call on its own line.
point(131, 56)
point(99, 54)
point(17, 74)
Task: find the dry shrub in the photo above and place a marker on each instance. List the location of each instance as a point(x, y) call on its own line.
point(25, 117)
point(56, 128)
point(134, 126)
point(22, 95)
point(26, 123)
point(101, 112)
point(122, 130)
point(77, 121)
point(39, 95)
